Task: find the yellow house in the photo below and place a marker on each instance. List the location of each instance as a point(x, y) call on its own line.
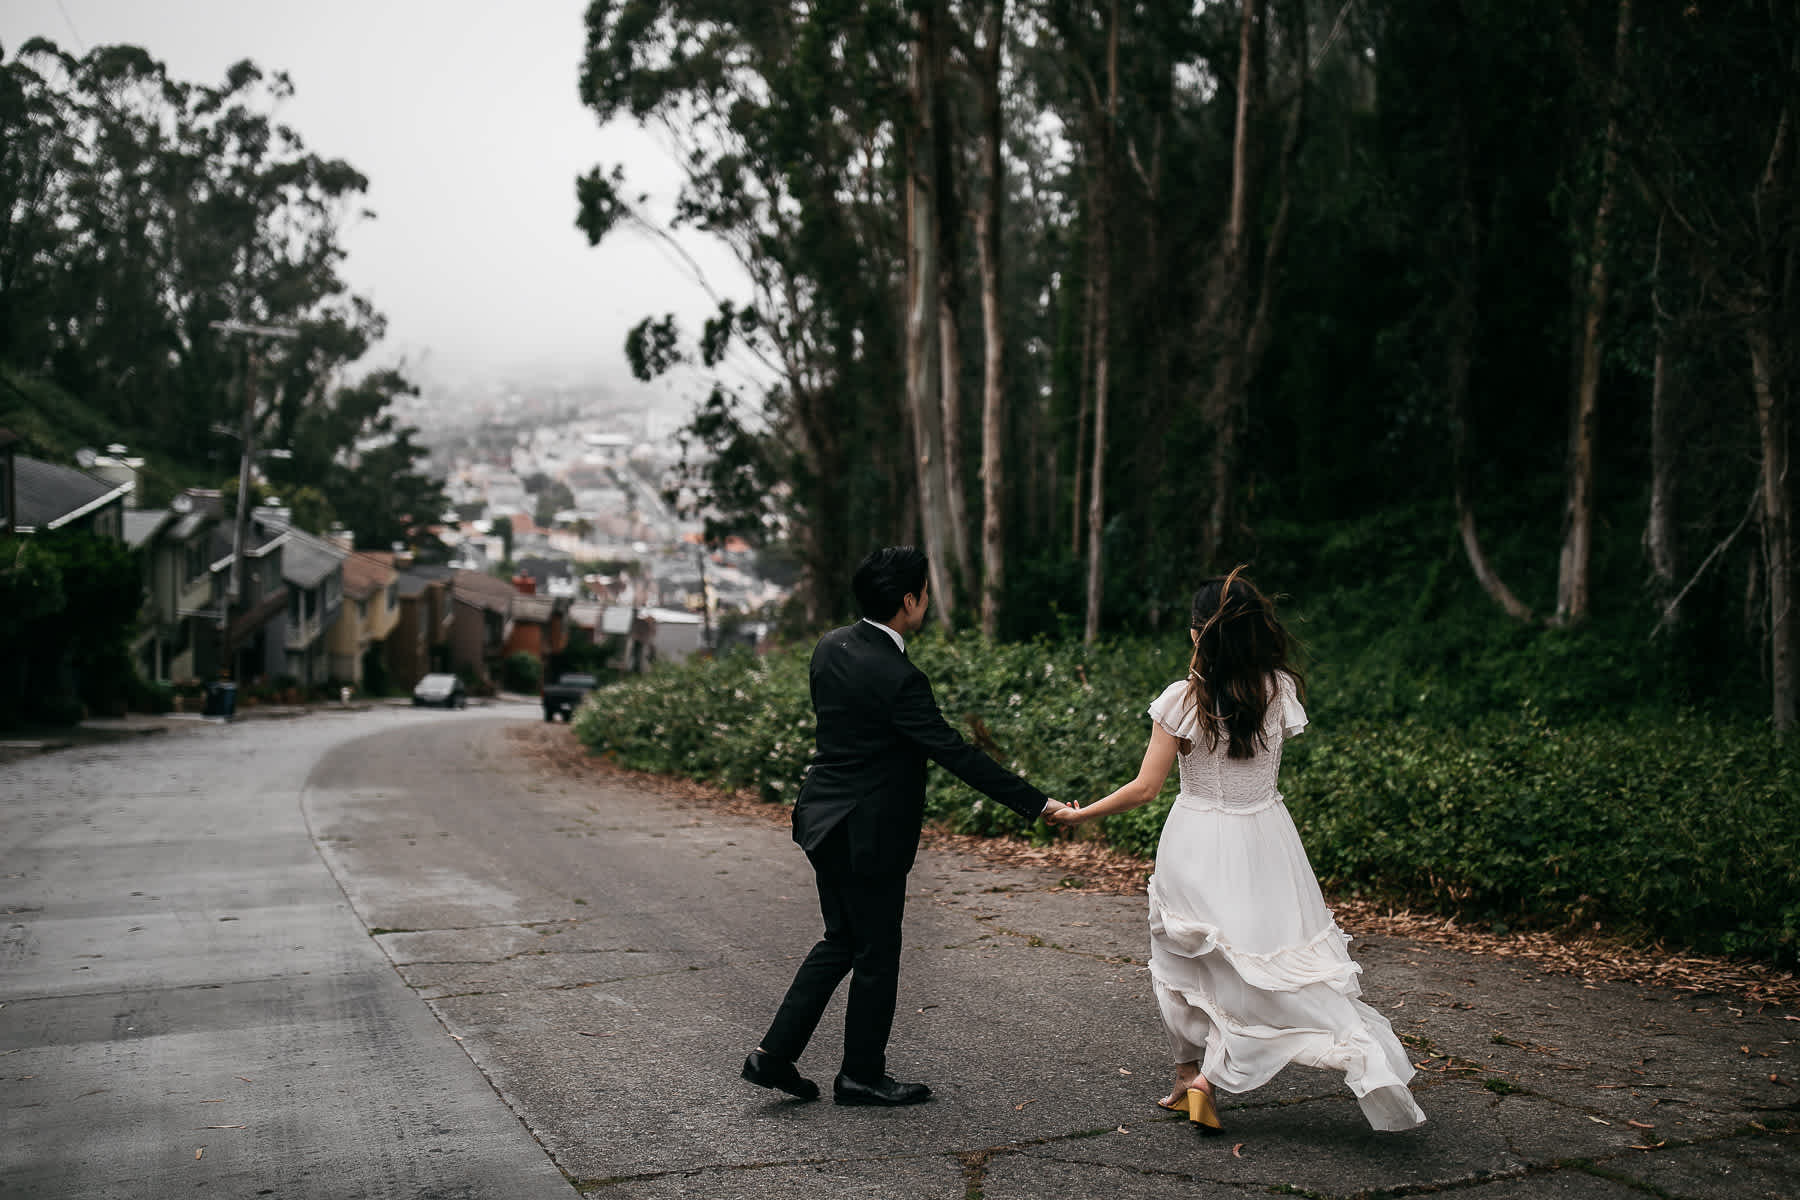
point(370, 610)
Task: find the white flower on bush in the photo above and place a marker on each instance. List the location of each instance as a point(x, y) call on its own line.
point(1014, 700)
point(1049, 669)
point(976, 807)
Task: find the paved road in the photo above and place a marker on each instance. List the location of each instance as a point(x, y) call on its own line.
point(410, 964)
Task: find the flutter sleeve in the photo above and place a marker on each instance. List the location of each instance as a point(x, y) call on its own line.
point(1174, 711)
point(1293, 714)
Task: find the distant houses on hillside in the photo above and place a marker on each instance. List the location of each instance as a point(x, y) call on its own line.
point(312, 613)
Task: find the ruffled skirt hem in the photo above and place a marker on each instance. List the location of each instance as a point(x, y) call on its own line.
point(1309, 995)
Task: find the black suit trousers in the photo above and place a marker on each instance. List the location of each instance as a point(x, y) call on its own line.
point(862, 939)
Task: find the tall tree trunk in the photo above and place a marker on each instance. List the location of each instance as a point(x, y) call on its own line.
point(993, 407)
point(950, 303)
point(1458, 353)
point(1227, 308)
point(1085, 401)
point(1578, 517)
point(1772, 371)
point(922, 366)
point(1659, 527)
point(1777, 518)
point(956, 502)
point(1102, 208)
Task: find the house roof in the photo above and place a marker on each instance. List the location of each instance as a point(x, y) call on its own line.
point(482, 591)
point(364, 575)
point(616, 619)
point(191, 524)
point(143, 524)
point(50, 496)
point(257, 542)
point(532, 608)
point(308, 561)
point(585, 614)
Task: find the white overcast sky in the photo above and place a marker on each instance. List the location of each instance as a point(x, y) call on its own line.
point(465, 118)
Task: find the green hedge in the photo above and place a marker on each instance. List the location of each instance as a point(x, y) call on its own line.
point(1678, 826)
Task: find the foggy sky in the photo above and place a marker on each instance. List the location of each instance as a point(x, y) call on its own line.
point(464, 117)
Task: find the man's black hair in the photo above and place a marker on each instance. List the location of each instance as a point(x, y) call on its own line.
point(885, 578)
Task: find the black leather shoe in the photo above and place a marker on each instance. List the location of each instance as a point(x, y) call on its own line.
point(765, 1070)
point(886, 1092)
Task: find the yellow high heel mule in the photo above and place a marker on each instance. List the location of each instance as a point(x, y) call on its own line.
point(1199, 1109)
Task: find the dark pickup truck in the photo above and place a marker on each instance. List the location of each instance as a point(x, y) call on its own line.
point(566, 694)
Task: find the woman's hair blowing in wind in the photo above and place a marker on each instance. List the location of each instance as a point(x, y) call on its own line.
point(1231, 678)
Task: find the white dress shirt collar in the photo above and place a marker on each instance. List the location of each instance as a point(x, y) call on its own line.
point(898, 640)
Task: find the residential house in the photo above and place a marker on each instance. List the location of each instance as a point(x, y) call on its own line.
point(182, 596)
point(313, 570)
point(636, 634)
point(370, 612)
point(420, 640)
point(255, 643)
point(47, 497)
point(676, 633)
point(535, 626)
point(481, 608)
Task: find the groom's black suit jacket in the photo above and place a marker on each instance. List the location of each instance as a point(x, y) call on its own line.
point(878, 723)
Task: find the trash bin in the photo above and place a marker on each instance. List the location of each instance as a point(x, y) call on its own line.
point(221, 699)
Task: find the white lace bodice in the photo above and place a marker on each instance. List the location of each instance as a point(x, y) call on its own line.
point(1211, 779)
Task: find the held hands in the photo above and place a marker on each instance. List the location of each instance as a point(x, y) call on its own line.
point(1058, 813)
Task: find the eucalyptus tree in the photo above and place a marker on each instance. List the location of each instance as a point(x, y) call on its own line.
point(141, 211)
point(786, 117)
point(1721, 170)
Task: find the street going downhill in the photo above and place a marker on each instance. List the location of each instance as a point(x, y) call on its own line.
point(388, 954)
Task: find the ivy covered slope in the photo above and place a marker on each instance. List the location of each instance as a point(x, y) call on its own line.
point(1676, 827)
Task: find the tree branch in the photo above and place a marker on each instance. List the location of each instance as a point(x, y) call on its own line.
point(1674, 605)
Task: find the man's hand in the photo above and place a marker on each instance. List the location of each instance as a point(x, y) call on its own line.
point(1058, 813)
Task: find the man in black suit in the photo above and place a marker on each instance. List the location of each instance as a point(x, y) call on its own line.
point(858, 818)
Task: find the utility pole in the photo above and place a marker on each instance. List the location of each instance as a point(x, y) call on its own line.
point(240, 532)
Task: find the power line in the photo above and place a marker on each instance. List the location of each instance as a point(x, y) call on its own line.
point(73, 32)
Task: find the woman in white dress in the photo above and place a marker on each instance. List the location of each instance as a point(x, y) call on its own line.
point(1250, 970)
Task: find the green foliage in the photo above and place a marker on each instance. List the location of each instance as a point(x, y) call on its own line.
point(1677, 826)
point(68, 603)
point(521, 672)
point(142, 212)
point(585, 656)
point(741, 721)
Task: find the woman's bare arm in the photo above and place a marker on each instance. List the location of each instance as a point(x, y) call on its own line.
point(1159, 757)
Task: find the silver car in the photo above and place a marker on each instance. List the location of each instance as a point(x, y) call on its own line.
point(444, 691)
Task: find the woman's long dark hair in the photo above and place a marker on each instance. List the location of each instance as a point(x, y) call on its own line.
point(1231, 678)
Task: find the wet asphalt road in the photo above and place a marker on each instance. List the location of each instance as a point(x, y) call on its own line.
point(379, 954)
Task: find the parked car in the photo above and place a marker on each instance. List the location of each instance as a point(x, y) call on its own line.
point(565, 695)
point(446, 691)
